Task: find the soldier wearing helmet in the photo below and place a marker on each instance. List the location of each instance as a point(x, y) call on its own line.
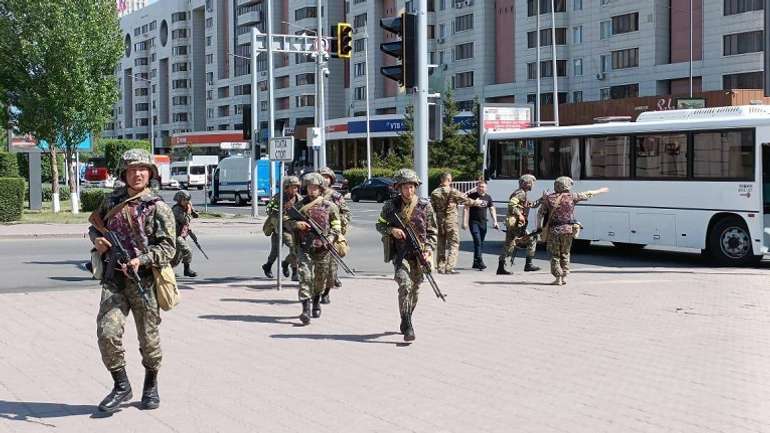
point(313, 257)
point(445, 200)
point(516, 221)
point(560, 225)
point(345, 216)
point(144, 224)
point(291, 185)
point(418, 213)
point(183, 214)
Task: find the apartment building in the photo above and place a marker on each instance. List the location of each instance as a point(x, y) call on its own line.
point(125, 7)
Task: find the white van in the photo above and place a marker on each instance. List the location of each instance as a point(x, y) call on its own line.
point(193, 173)
point(232, 180)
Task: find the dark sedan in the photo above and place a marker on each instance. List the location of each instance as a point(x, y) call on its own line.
point(340, 184)
point(376, 188)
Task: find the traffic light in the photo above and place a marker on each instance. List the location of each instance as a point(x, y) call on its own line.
point(344, 40)
point(246, 122)
point(405, 50)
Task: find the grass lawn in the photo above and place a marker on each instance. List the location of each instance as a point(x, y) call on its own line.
point(46, 215)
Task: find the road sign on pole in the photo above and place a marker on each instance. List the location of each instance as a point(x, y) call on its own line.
point(282, 149)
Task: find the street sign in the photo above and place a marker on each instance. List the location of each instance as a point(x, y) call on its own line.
point(282, 149)
point(505, 117)
point(314, 137)
point(690, 103)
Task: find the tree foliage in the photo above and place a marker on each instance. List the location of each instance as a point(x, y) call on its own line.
point(114, 149)
point(458, 146)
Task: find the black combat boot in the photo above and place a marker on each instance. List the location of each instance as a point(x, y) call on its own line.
point(337, 282)
point(267, 268)
point(316, 306)
point(475, 264)
point(305, 316)
point(121, 392)
point(294, 274)
point(150, 398)
point(285, 268)
point(482, 266)
point(501, 268)
point(325, 297)
point(408, 330)
point(188, 272)
point(529, 267)
point(402, 326)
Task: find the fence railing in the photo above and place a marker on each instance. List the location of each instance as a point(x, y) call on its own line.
point(465, 186)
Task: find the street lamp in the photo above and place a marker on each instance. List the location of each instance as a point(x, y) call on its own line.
point(152, 128)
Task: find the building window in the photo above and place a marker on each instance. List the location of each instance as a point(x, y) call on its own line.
point(605, 29)
point(179, 34)
point(141, 91)
point(545, 6)
point(577, 67)
point(623, 59)
point(742, 43)
point(179, 100)
point(577, 5)
point(282, 82)
point(142, 106)
point(545, 37)
point(733, 7)
point(624, 91)
point(608, 157)
point(209, 38)
point(243, 89)
point(210, 77)
point(463, 23)
point(359, 69)
point(209, 59)
point(462, 80)
point(303, 79)
point(464, 51)
point(661, 156)
point(546, 69)
point(179, 51)
point(359, 93)
point(577, 96)
point(140, 61)
point(577, 35)
point(180, 117)
point(746, 80)
point(605, 63)
point(179, 67)
point(359, 21)
point(209, 22)
point(179, 84)
point(178, 16)
point(223, 92)
point(359, 45)
point(223, 111)
point(604, 93)
point(306, 12)
point(625, 23)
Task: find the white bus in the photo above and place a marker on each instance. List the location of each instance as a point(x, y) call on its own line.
point(684, 178)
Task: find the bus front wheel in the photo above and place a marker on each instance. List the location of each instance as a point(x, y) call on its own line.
point(730, 243)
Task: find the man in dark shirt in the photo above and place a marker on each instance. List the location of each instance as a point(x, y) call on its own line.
point(476, 218)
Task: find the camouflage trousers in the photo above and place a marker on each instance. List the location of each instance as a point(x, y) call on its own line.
point(332, 277)
point(559, 246)
point(288, 241)
point(314, 269)
point(408, 275)
point(118, 298)
point(509, 248)
point(448, 246)
point(183, 252)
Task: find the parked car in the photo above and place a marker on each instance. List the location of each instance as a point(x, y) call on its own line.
point(340, 184)
point(376, 188)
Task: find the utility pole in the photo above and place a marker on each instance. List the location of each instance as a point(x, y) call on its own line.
point(270, 87)
point(320, 158)
point(691, 48)
point(368, 133)
point(421, 99)
point(254, 125)
point(537, 63)
point(555, 71)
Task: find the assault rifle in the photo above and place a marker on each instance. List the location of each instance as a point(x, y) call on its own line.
point(329, 245)
point(118, 256)
point(414, 245)
point(195, 240)
point(525, 237)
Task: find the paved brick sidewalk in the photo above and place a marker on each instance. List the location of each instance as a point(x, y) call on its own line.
point(637, 350)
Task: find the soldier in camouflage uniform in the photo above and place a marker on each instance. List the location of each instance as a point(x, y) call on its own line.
point(146, 227)
point(418, 213)
point(562, 226)
point(314, 258)
point(291, 186)
point(335, 197)
point(517, 219)
point(183, 214)
point(444, 200)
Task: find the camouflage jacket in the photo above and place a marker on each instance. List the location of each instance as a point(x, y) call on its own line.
point(423, 222)
point(444, 200)
point(153, 236)
point(183, 220)
point(273, 208)
point(325, 214)
point(560, 208)
point(518, 207)
point(337, 198)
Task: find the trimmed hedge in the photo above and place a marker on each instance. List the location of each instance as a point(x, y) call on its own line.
point(356, 176)
point(11, 198)
point(92, 198)
point(64, 193)
point(9, 167)
point(45, 166)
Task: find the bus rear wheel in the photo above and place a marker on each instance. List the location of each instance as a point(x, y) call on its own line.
point(730, 243)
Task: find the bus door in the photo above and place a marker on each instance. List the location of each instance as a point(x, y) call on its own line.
point(766, 192)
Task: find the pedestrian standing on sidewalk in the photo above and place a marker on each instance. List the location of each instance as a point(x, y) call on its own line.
point(476, 219)
point(560, 225)
point(335, 197)
point(418, 214)
point(314, 259)
point(145, 226)
point(291, 186)
point(183, 214)
point(516, 222)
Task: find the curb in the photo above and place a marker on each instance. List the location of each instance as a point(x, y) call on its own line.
point(45, 236)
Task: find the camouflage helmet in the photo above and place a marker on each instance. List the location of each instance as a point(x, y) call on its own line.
point(182, 195)
point(406, 175)
point(314, 179)
point(291, 181)
point(563, 184)
point(527, 179)
point(328, 175)
point(137, 157)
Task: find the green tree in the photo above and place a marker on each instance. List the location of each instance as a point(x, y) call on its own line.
point(458, 146)
point(401, 152)
point(113, 151)
point(58, 67)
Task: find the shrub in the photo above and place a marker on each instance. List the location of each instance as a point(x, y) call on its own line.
point(356, 176)
point(8, 165)
point(91, 199)
point(11, 198)
point(64, 193)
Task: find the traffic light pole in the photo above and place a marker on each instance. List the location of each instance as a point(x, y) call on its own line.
point(254, 124)
point(320, 97)
point(270, 94)
point(421, 99)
